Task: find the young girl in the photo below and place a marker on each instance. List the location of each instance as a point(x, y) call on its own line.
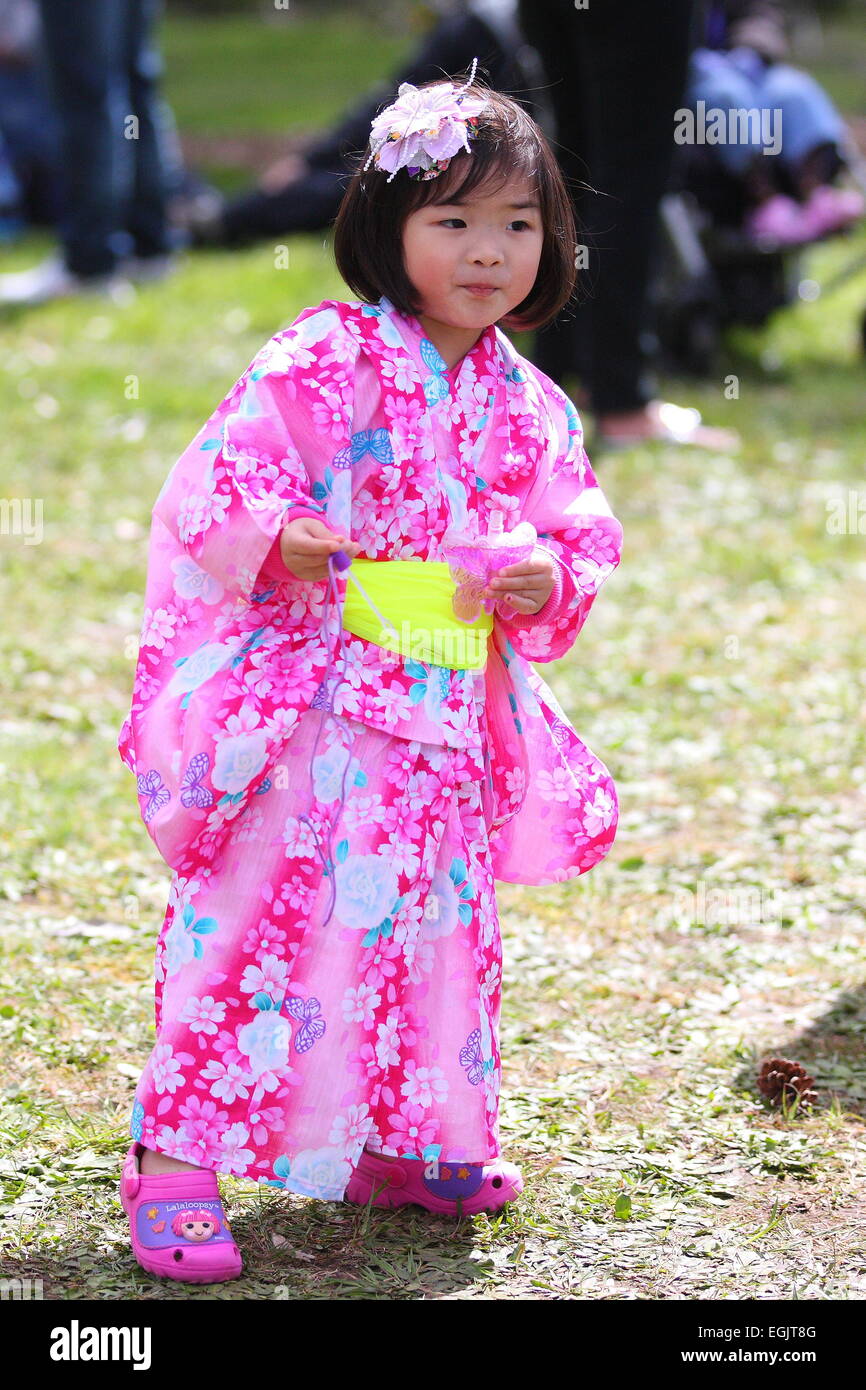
point(336, 800)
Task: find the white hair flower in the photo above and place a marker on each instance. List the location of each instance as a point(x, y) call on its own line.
point(424, 127)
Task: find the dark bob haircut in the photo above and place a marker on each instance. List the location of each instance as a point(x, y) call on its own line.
point(507, 143)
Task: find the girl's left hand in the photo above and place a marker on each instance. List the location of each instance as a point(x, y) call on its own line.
point(527, 585)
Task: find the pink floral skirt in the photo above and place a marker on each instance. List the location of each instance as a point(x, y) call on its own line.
point(286, 1043)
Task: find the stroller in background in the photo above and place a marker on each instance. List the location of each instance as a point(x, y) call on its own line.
point(710, 274)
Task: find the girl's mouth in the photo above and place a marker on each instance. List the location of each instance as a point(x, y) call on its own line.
point(481, 290)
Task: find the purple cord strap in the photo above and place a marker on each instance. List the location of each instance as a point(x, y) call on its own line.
point(338, 560)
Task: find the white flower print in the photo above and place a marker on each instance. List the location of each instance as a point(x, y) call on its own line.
point(349, 1132)
point(400, 374)
point(203, 1014)
point(228, 1081)
point(557, 785)
point(299, 839)
point(234, 1157)
point(165, 1070)
point(269, 977)
point(388, 1042)
point(197, 513)
point(158, 628)
point(425, 1086)
point(359, 1005)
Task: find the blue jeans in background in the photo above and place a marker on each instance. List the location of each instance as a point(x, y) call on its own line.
point(102, 68)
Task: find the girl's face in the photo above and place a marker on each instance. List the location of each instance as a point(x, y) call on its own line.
point(472, 262)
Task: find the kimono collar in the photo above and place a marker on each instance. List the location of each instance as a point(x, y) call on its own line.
point(484, 353)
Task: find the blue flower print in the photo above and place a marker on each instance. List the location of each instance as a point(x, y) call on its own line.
point(266, 1039)
point(431, 685)
point(447, 902)
point(136, 1124)
point(385, 326)
point(192, 671)
point(321, 1173)
point(183, 939)
point(367, 898)
point(239, 758)
point(328, 771)
point(317, 328)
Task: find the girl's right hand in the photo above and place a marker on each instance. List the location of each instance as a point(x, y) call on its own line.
point(305, 545)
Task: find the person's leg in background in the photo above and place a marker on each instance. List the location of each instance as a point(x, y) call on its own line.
point(562, 349)
point(83, 46)
point(143, 192)
point(31, 131)
point(618, 75)
point(99, 64)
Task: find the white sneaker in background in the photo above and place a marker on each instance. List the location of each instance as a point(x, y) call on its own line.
point(147, 269)
point(52, 280)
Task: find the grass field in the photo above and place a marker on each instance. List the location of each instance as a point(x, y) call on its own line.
point(720, 677)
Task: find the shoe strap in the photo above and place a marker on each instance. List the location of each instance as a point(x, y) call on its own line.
point(198, 1185)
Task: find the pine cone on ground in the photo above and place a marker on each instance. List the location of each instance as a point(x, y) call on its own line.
point(779, 1077)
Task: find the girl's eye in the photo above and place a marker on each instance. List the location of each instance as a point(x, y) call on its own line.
point(519, 223)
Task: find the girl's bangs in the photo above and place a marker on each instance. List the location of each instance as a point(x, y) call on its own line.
point(490, 165)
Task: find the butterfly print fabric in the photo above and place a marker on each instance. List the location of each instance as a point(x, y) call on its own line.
point(284, 1047)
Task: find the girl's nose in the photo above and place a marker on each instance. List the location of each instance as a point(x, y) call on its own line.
point(486, 255)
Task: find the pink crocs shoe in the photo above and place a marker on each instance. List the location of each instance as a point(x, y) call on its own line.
point(449, 1186)
point(177, 1224)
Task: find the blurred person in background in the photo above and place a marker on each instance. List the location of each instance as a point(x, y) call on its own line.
point(302, 192)
point(102, 70)
point(785, 196)
point(617, 74)
point(29, 129)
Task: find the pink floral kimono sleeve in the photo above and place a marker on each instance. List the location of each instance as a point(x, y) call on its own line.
point(213, 617)
point(243, 477)
point(574, 522)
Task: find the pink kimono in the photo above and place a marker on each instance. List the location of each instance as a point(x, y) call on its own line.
point(284, 1047)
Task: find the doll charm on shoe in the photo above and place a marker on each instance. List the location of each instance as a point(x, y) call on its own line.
point(178, 1227)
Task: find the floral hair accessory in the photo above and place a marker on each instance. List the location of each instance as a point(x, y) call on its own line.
point(424, 127)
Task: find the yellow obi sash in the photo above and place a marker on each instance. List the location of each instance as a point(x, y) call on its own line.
point(414, 598)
